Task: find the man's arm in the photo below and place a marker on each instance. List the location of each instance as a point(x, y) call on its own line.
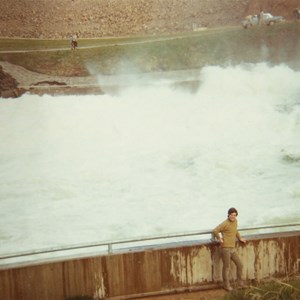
point(218, 233)
point(241, 239)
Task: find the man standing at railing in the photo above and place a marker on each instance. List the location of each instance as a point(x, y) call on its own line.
point(226, 233)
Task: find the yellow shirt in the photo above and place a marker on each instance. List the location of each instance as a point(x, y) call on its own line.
point(229, 232)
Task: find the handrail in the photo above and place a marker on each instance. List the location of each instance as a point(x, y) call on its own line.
point(109, 244)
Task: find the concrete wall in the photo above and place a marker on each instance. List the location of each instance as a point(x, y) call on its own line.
point(149, 271)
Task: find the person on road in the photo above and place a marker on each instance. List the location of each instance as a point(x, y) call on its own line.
point(74, 43)
point(297, 13)
point(261, 18)
point(226, 234)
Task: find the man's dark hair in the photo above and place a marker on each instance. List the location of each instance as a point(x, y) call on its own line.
point(232, 210)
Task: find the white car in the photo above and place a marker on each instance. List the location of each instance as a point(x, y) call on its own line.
point(268, 19)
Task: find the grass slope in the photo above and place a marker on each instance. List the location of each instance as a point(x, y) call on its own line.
point(229, 45)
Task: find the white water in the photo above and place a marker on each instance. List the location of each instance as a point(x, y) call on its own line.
point(151, 160)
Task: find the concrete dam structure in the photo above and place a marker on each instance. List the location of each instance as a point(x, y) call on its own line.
point(139, 271)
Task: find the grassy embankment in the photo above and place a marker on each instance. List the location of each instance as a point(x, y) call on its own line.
point(229, 45)
point(275, 290)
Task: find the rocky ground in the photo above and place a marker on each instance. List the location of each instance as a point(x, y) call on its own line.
point(15, 80)
point(103, 18)
point(9, 86)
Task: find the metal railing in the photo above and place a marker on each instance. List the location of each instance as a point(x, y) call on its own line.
point(110, 244)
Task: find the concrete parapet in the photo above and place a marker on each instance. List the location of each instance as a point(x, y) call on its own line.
point(149, 271)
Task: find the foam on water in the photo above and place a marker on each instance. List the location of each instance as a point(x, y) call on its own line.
point(150, 160)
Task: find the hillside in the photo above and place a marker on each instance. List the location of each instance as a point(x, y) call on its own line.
point(103, 18)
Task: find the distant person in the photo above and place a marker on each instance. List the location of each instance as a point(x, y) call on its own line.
point(261, 18)
point(297, 13)
point(226, 234)
point(74, 43)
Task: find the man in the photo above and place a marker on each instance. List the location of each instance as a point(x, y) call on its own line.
point(297, 13)
point(226, 233)
point(260, 17)
point(74, 43)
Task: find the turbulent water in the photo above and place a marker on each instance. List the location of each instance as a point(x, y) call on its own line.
point(150, 160)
